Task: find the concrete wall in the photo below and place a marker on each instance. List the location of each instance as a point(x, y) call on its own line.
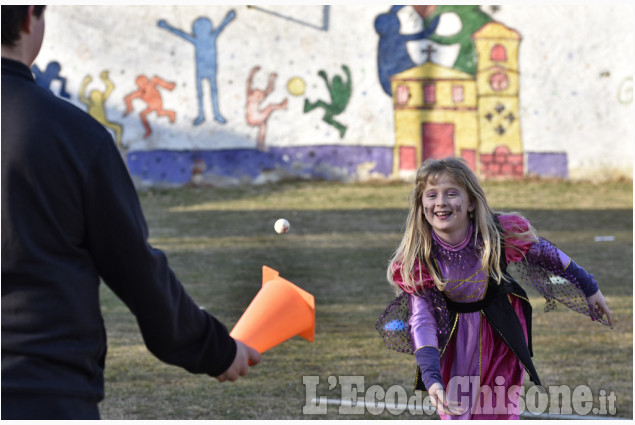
point(304, 91)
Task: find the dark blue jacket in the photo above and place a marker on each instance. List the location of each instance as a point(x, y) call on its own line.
point(70, 216)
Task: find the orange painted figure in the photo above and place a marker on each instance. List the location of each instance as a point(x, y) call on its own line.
point(148, 92)
point(255, 115)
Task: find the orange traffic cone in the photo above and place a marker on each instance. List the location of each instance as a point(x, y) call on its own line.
point(279, 311)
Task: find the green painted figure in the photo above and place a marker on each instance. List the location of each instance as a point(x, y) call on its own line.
point(340, 95)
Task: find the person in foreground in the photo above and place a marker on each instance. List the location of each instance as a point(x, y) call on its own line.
point(70, 216)
point(462, 314)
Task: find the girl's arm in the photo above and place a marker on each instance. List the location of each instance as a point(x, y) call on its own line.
point(546, 255)
point(543, 253)
point(423, 330)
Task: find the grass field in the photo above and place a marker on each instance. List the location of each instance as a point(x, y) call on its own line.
point(218, 239)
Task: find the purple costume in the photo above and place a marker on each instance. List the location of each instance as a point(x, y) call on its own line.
point(479, 365)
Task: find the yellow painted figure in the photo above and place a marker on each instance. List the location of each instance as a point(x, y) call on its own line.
point(96, 103)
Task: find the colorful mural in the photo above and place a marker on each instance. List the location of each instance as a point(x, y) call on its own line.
point(447, 77)
point(203, 38)
point(435, 116)
point(470, 110)
point(252, 166)
point(257, 116)
point(147, 91)
point(500, 145)
point(392, 53)
point(96, 103)
point(467, 20)
point(340, 93)
point(50, 75)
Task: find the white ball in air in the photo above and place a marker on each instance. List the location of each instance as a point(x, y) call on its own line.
point(281, 226)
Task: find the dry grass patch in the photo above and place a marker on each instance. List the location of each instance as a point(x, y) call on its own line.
point(218, 239)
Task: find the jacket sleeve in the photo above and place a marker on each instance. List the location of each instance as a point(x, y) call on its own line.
point(173, 327)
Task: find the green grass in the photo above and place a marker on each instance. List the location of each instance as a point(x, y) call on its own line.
point(218, 239)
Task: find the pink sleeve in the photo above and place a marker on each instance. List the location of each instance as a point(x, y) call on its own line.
point(516, 224)
point(421, 277)
point(423, 325)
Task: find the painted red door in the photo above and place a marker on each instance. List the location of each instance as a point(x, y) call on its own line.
point(437, 140)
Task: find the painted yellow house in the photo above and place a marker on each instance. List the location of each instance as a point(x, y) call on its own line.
point(435, 116)
point(440, 111)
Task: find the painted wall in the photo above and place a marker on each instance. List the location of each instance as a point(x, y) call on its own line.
point(253, 94)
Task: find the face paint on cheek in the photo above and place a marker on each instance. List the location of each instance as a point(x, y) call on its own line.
point(459, 208)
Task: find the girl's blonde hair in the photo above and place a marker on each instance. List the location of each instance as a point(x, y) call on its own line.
point(417, 239)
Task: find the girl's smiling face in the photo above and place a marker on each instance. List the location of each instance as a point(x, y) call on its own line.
point(446, 206)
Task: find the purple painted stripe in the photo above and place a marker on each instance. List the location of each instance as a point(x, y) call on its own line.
point(327, 162)
point(547, 164)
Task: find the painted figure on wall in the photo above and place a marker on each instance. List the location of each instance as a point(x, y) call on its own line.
point(50, 74)
point(392, 54)
point(340, 95)
point(204, 37)
point(256, 116)
point(148, 92)
point(96, 103)
point(471, 18)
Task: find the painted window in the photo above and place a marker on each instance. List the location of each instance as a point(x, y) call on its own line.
point(498, 53)
point(457, 94)
point(429, 93)
point(499, 81)
point(403, 94)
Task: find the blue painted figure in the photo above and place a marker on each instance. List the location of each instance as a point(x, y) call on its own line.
point(392, 54)
point(52, 72)
point(203, 38)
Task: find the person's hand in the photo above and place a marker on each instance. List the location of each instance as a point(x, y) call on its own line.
point(440, 401)
point(598, 307)
point(245, 357)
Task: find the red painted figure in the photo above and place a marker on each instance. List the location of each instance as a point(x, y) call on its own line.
point(149, 93)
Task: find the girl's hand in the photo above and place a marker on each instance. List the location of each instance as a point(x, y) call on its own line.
point(598, 306)
point(440, 401)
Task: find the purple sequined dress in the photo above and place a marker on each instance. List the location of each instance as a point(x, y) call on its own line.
point(477, 367)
